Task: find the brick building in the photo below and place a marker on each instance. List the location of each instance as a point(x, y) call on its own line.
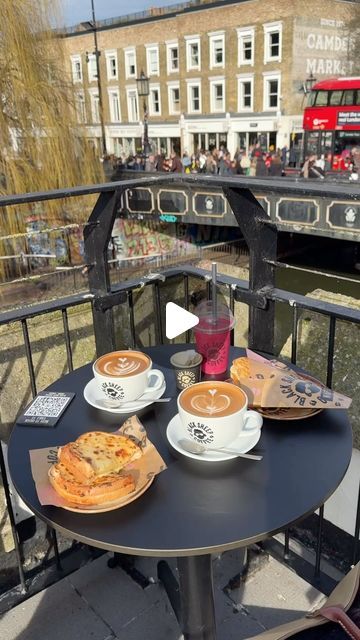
point(229, 71)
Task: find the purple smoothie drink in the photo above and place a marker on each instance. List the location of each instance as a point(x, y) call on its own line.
point(212, 337)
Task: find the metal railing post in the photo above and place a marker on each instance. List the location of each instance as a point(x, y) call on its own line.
point(97, 234)
point(261, 238)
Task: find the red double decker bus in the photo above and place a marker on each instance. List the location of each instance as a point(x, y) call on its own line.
point(332, 121)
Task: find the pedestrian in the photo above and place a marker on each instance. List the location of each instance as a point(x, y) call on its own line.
point(275, 168)
point(260, 169)
point(224, 166)
point(310, 170)
point(138, 165)
point(150, 163)
point(284, 152)
point(202, 161)
point(252, 170)
point(186, 161)
point(245, 163)
point(355, 154)
point(292, 157)
point(176, 164)
point(211, 164)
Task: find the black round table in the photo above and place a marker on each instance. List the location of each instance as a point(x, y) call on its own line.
point(194, 508)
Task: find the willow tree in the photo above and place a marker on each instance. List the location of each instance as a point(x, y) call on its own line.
point(41, 147)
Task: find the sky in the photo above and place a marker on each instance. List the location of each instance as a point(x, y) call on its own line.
point(75, 11)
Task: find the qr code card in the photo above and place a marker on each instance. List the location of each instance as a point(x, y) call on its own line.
point(46, 409)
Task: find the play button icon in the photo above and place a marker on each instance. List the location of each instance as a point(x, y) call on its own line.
point(178, 320)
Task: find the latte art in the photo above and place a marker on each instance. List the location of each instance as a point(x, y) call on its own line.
point(212, 399)
point(210, 402)
point(121, 367)
point(122, 364)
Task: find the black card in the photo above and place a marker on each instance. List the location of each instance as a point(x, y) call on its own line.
point(46, 409)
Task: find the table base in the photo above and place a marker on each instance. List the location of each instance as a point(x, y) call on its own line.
point(192, 598)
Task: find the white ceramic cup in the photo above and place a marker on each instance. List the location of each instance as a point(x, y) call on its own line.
point(218, 431)
point(118, 389)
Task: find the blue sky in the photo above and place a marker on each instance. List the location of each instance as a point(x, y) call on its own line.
point(80, 10)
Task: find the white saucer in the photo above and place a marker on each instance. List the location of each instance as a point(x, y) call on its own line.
point(94, 397)
point(243, 443)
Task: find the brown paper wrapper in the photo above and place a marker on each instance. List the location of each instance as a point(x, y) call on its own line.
point(269, 383)
point(143, 470)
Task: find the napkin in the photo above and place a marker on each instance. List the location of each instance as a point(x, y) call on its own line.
point(270, 383)
point(150, 463)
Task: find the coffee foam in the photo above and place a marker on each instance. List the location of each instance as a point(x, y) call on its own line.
point(210, 402)
point(122, 364)
point(212, 399)
point(121, 367)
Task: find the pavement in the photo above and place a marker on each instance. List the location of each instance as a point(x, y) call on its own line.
point(98, 603)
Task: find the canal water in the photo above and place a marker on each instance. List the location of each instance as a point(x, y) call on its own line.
point(315, 272)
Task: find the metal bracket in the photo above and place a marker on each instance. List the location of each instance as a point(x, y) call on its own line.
point(103, 303)
point(256, 299)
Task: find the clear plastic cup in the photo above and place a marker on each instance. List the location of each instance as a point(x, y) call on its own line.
point(212, 336)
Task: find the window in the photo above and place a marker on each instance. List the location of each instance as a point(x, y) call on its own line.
point(152, 60)
point(245, 93)
point(80, 108)
point(217, 49)
point(132, 104)
point(194, 97)
point(95, 106)
point(92, 67)
point(192, 53)
point(111, 65)
point(76, 69)
point(114, 105)
point(246, 40)
point(272, 91)
point(130, 63)
point(174, 98)
point(172, 57)
point(272, 41)
point(154, 101)
point(348, 97)
point(335, 98)
point(321, 98)
point(217, 95)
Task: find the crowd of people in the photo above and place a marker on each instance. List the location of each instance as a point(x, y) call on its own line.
point(255, 162)
point(214, 161)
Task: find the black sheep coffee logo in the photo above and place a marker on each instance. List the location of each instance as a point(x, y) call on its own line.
point(186, 378)
point(113, 390)
point(200, 432)
point(214, 352)
point(306, 391)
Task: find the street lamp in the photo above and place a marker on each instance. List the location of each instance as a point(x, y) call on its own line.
point(96, 53)
point(309, 83)
point(143, 91)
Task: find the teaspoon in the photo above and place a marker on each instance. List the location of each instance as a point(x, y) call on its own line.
point(199, 449)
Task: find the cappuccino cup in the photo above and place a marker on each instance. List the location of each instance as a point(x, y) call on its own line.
point(215, 413)
point(124, 376)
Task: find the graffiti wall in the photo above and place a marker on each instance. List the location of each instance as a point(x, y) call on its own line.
point(133, 239)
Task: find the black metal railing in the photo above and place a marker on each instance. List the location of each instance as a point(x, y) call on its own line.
point(259, 293)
